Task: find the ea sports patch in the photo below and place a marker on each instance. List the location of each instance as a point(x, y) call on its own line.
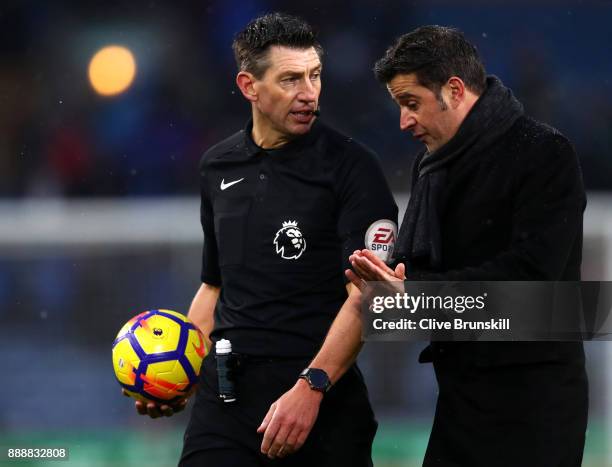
point(380, 238)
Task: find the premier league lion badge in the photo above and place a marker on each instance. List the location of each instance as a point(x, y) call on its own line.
point(289, 241)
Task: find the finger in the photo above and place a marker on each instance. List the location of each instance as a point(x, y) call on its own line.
point(368, 258)
point(378, 270)
point(266, 421)
point(301, 439)
point(352, 260)
point(356, 254)
point(378, 262)
point(269, 436)
point(367, 270)
point(166, 410)
point(153, 410)
point(400, 271)
point(355, 279)
point(290, 443)
point(360, 270)
point(279, 440)
point(180, 406)
point(140, 408)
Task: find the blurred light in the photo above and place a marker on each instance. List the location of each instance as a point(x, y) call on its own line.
point(112, 70)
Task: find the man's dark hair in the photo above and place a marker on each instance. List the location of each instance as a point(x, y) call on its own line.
point(434, 54)
point(251, 45)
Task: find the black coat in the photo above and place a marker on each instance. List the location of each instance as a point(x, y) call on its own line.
point(510, 212)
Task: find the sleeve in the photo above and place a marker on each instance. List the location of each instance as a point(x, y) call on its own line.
point(547, 221)
point(210, 255)
point(365, 199)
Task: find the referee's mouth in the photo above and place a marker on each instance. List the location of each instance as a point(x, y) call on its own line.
point(303, 116)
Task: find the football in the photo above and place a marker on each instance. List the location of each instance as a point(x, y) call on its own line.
point(157, 356)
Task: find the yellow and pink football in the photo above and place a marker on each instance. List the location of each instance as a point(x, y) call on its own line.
point(157, 356)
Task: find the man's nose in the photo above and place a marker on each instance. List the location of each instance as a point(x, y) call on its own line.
point(307, 91)
point(407, 120)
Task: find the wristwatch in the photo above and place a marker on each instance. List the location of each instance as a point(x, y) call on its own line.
point(317, 379)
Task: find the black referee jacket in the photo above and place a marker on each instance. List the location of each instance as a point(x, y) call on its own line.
point(279, 226)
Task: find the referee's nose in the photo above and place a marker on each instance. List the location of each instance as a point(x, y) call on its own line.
point(308, 91)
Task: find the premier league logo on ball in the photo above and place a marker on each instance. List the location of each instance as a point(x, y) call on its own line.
point(289, 241)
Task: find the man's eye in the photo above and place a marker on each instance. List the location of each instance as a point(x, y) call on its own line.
point(315, 76)
point(289, 80)
point(412, 106)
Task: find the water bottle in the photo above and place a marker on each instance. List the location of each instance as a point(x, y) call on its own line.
point(223, 351)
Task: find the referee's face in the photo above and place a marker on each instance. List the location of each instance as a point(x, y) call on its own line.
point(288, 92)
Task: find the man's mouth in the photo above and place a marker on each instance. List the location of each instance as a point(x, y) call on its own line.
point(302, 112)
point(303, 116)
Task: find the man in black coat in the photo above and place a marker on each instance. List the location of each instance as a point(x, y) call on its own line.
point(497, 196)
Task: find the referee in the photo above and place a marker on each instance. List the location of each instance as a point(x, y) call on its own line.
point(284, 203)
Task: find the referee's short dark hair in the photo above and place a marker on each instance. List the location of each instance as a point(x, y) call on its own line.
point(434, 54)
point(251, 45)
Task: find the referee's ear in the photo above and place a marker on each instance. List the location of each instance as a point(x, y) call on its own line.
point(245, 82)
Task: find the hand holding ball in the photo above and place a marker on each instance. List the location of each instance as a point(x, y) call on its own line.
point(157, 357)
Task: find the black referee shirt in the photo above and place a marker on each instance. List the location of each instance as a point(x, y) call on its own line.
point(279, 226)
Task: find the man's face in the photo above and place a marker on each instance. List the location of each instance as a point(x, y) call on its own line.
point(427, 116)
point(288, 92)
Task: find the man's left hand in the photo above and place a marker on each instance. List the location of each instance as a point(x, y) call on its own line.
point(289, 420)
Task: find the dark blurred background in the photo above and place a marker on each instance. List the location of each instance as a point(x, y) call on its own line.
point(99, 195)
point(60, 138)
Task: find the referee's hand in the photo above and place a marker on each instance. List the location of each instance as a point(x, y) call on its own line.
point(155, 410)
point(289, 420)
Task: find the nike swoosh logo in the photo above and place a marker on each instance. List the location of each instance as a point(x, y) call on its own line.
point(161, 388)
point(225, 186)
point(201, 347)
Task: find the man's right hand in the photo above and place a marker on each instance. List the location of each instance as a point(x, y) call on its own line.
point(155, 410)
point(369, 267)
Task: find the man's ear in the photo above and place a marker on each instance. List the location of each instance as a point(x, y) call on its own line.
point(245, 82)
point(456, 90)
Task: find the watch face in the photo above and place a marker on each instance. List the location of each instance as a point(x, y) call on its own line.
point(318, 378)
